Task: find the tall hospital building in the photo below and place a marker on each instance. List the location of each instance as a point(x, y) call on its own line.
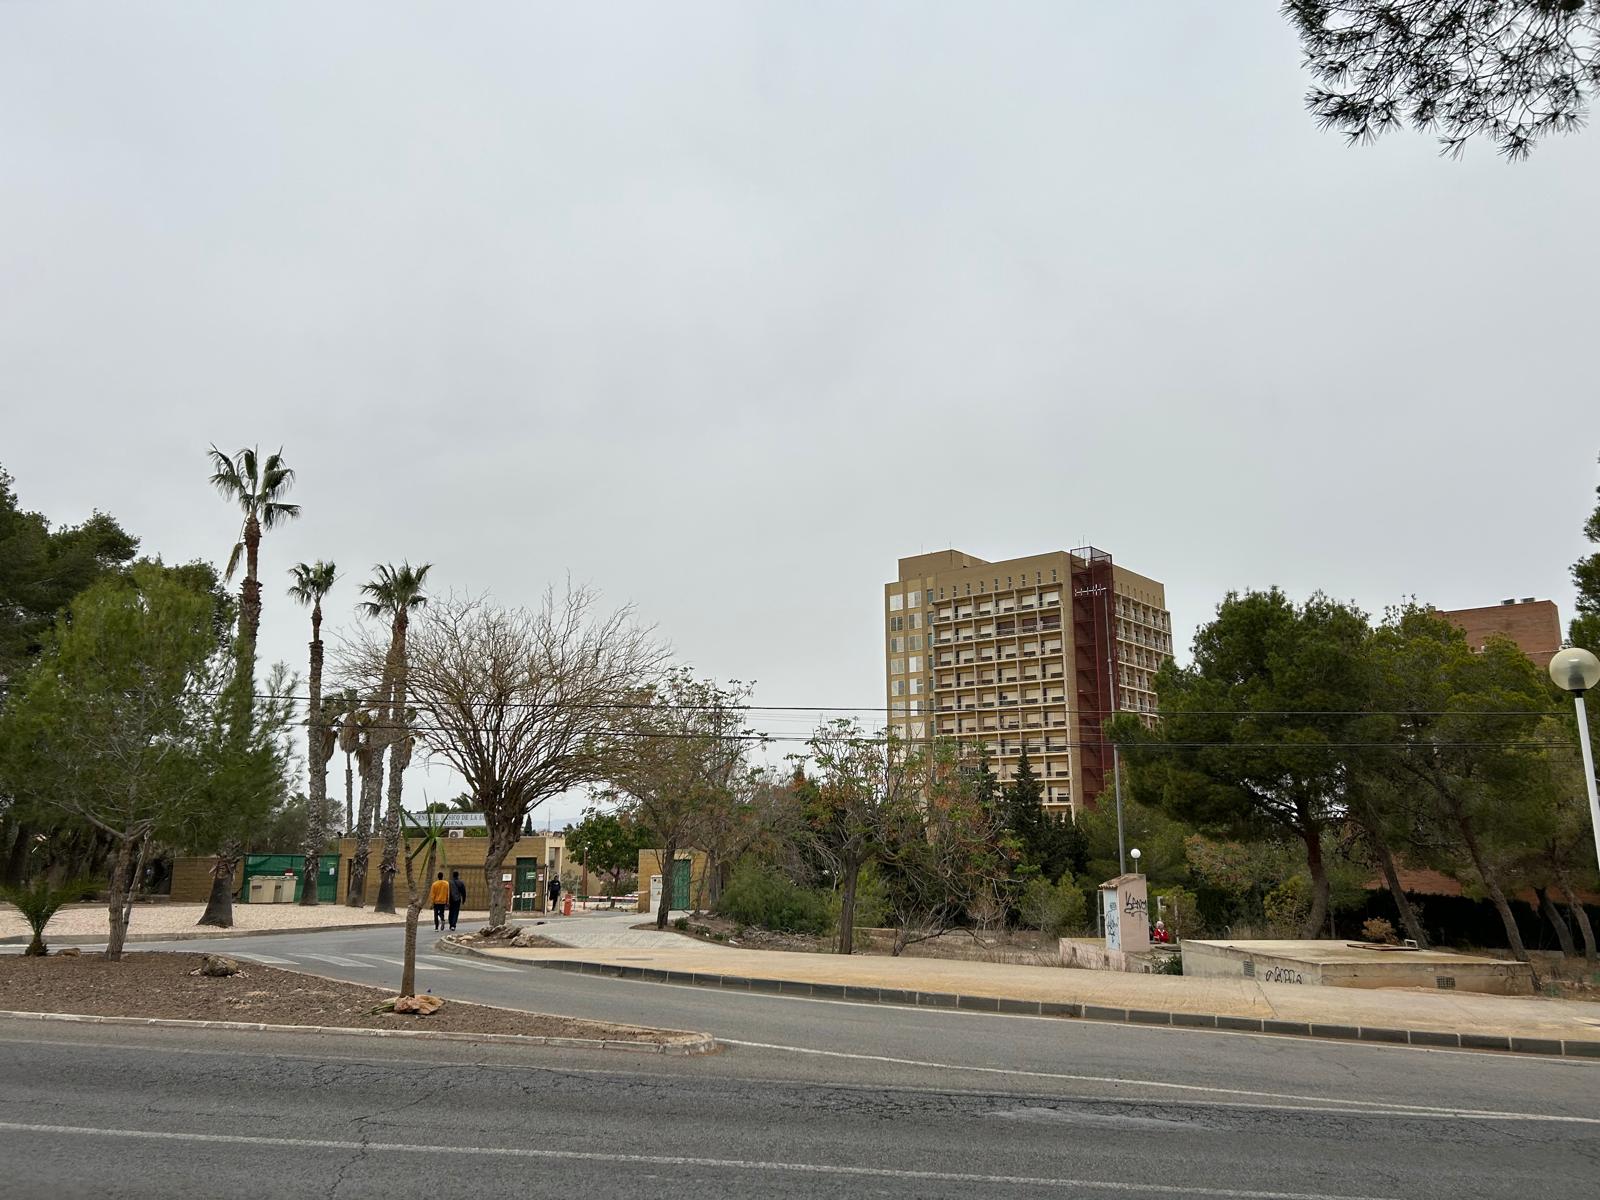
point(1031, 652)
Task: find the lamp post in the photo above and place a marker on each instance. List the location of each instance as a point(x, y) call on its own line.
point(1134, 854)
point(1577, 671)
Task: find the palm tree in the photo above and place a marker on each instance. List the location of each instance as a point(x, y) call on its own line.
point(394, 592)
point(358, 735)
point(258, 489)
point(343, 713)
point(311, 584)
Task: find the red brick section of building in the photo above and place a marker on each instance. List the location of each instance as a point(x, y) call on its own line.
point(1534, 625)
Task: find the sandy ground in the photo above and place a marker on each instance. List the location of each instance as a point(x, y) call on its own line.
point(91, 920)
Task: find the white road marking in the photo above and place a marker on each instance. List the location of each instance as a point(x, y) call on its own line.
point(334, 959)
point(676, 1160)
point(1374, 1106)
point(476, 966)
point(396, 962)
point(266, 959)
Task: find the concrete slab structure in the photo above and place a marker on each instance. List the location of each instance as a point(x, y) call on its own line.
point(1352, 965)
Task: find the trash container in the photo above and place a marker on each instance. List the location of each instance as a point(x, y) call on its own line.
point(283, 889)
point(263, 889)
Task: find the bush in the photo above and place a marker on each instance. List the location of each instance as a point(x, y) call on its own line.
point(872, 901)
point(1055, 909)
point(1172, 964)
point(1288, 905)
point(1376, 929)
point(681, 924)
point(762, 897)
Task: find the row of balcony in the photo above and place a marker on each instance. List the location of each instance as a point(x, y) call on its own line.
point(993, 610)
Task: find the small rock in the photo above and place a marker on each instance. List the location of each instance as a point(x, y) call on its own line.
point(217, 966)
point(69, 952)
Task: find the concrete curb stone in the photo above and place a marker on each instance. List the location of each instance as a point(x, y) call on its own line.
point(1089, 1012)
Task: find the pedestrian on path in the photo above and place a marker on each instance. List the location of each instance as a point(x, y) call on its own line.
point(555, 892)
point(439, 896)
point(458, 896)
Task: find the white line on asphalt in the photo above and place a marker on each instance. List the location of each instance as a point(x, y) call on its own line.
point(676, 1160)
point(1376, 1106)
point(475, 966)
point(334, 959)
point(266, 959)
point(395, 962)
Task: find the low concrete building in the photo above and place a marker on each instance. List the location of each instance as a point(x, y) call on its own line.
point(1350, 964)
point(689, 882)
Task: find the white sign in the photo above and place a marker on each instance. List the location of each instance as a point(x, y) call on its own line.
point(463, 821)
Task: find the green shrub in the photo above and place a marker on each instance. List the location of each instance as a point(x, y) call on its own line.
point(872, 901)
point(1172, 964)
point(762, 897)
point(1055, 909)
point(681, 924)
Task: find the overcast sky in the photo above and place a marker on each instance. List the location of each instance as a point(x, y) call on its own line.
point(723, 307)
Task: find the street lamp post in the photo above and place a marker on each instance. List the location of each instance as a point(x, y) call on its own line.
point(1578, 671)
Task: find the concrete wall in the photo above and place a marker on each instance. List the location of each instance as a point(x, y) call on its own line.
point(1340, 964)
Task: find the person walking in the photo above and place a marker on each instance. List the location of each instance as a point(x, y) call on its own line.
point(458, 896)
point(555, 892)
point(439, 896)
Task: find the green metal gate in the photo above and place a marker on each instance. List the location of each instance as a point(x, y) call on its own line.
point(680, 884)
point(277, 864)
point(525, 893)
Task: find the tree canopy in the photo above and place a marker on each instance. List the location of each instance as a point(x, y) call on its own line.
point(1509, 71)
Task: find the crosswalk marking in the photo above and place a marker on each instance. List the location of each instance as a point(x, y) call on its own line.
point(477, 966)
point(400, 962)
point(334, 959)
point(267, 959)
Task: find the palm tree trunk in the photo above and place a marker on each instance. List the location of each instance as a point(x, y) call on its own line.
point(317, 763)
point(349, 797)
point(219, 905)
point(370, 760)
point(399, 753)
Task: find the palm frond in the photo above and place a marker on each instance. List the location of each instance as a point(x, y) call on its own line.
point(247, 468)
point(272, 515)
point(312, 581)
point(233, 561)
point(225, 474)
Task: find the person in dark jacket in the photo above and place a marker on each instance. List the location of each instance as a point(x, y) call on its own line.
point(458, 896)
point(555, 892)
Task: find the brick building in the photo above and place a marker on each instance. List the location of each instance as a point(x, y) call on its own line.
point(1534, 625)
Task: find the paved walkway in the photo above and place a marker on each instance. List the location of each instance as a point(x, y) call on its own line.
point(607, 930)
point(1387, 1008)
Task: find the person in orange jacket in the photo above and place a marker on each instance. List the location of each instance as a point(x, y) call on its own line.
point(439, 897)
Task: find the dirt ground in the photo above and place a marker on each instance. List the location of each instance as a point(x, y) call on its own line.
point(1024, 947)
point(160, 985)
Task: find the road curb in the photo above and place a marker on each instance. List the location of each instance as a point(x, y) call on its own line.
point(195, 935)
point(1373, 1035)
point(696, 1044)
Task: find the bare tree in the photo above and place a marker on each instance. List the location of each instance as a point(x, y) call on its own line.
point(679, 751)
point(523, 703)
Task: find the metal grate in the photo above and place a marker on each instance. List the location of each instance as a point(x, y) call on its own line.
point(1250, 968)
point(1447, 982)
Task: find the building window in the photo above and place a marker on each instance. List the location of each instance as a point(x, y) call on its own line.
point(897, 666)
point(912, 599)
point(916, 620)
point(897, 622)
point(899, 688)
point(918, 730)
point(914, 642)
point(895, 601)
point(930, 594)
point(916, 685)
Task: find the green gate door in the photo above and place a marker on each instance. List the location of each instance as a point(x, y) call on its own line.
point(680, 884)
point(525, 888)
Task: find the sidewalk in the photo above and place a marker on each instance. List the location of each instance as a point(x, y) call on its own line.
point(1403, 1016)
point(605, 930)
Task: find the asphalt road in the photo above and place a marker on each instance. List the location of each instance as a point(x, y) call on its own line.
point(812, 1098)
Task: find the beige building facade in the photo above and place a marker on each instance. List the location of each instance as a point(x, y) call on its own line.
point(1027, 653)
